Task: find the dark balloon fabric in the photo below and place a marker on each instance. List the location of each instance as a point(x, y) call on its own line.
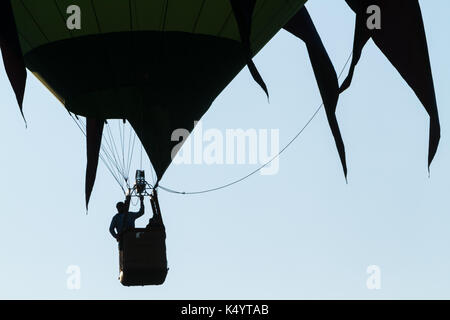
point(243, 11)
point(303, 27)
point(11, 52)
point(402, 40)
point(161, 64)
point(94, 131)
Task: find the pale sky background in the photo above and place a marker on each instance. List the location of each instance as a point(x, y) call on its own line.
point(301, 234)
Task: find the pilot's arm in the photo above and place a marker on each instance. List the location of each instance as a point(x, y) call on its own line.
point(127, 202)
point(141, 211)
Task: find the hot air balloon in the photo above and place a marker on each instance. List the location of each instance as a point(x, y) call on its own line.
point(160, 64)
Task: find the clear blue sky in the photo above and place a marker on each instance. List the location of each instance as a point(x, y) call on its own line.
point(303, 233)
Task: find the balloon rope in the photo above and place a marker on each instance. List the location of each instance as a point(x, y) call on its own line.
point(109, 165)
point(265, 164)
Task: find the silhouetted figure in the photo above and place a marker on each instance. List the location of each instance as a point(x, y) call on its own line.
point(125, 220)
point(143, 258)
point(156, 222)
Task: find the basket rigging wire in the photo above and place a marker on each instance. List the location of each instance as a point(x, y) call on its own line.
point(120, 166)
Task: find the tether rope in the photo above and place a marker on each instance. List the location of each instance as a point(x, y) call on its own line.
point(265, 164)
point(115, 162)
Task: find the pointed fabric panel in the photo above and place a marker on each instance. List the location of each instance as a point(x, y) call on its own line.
point(243, 12)
point(157, 128)
point(303, 27)
point(11, 52)
point(403, 41)
point(94, 131)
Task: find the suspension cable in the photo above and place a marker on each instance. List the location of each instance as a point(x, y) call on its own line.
point(251, 173)
point(114, 157)
point(77, 122)
point(265, 164)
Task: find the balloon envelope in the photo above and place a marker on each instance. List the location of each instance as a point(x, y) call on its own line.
point(157, 63)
